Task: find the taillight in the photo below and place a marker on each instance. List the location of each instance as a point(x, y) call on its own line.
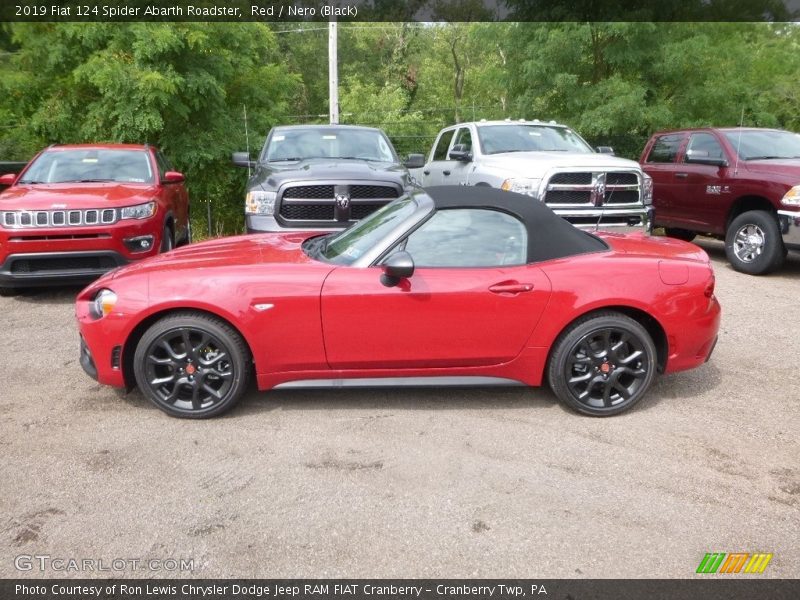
point(709, 291)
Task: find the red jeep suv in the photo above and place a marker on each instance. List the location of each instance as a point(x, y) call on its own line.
point(78, 211)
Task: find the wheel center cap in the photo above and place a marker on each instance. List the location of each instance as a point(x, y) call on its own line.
point(190, 369)
point(605, 368)
point(754, 240)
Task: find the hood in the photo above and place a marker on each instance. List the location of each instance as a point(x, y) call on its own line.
point(790, 167)
point(270, 176)
point(654, 247)
point(536, 164)
point(242, 250)
point(58, 196)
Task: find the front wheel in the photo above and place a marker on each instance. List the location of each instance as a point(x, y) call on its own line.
point(192, 365)
point(167, 243)
point(603, 364)
point(753, 243)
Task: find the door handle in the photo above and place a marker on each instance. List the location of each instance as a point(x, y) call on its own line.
point(510, 287)
point(426, 172)
point(445, 172)
point(681, 175)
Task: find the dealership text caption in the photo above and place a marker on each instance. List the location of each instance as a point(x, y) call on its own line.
point(123, 11)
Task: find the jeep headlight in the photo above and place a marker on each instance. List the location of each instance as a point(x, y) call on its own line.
point(260, 203)
point(792, 197)
point(138, 211)
point(103, 303)
point(647, 189)
point(529, 187)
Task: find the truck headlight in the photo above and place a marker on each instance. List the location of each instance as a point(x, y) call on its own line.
point(260, 203)
point(529, 187)
point(138, 211)
point(647, 189)
point(103, 303)
point(792, 197)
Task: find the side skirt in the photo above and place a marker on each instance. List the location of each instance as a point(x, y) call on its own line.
point(373, 382)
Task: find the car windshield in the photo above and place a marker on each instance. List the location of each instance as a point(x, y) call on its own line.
point(329, 142)
point(764, 144)
point(89, 166)
point(348, 246)
point(496, 139)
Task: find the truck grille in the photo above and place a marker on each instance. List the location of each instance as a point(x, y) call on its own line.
point(592, 189)
point(330, 204)
point(20, 219)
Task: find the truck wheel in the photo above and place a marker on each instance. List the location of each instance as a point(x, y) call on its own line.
point(603, 364)
point(753, 243)
point(680, 234)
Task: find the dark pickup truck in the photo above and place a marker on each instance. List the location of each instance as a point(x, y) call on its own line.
point(321, 177)
point(737, 184)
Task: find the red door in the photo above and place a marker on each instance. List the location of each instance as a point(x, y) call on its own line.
point(439, 317)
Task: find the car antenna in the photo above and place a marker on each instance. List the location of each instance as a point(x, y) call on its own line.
point(738, 144)
point(247, 140)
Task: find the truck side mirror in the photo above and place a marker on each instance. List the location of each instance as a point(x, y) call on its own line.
point(460, 153)
point(242, 159)
point(415, 161)
point(605, 150)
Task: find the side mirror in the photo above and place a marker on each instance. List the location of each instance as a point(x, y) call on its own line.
point(605, 150)
point(242, 159)
point(174, 177)
point(398, 266)
point(460, 153)
point(8, 179)
point(701, 157)
point(415, 161)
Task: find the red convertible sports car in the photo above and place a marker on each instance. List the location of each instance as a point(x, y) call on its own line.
point(447, 286)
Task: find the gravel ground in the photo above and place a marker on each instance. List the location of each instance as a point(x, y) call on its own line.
point(412, 483)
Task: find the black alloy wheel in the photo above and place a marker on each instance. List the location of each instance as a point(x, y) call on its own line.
point(192, 365)
point(167, 243)
point(603, 364)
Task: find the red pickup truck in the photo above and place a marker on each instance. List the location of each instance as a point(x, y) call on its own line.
point(737, 184)
point(78, 211)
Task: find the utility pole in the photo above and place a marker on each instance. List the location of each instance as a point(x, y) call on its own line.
point(333, 74)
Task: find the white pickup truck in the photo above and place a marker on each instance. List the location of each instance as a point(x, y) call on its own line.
point(547, 161)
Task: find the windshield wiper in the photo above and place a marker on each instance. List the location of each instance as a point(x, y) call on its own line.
point(767, 157)
point(293, 158)
point(316, 246)
point(88, 181)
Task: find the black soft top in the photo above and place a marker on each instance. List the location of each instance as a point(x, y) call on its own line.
point(549, 236)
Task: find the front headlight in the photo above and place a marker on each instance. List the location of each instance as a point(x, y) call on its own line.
point(647, 189)
point(103, 303)
point(260, 203)
point(138, 211)
point(526, 186)
point(792, 197)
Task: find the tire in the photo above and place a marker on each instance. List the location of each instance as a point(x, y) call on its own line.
point(167, 241)
point(680, 234)
point(602, 364)
point(206, 381)
point(753, 243)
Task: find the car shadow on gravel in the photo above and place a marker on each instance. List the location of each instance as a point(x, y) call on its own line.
point(47, 295)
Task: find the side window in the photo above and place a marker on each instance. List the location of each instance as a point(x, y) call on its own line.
point(163, 165)
point(704, 144)
point(463, 139)
point(469, 237)
point(665, 148)
point(444, 143)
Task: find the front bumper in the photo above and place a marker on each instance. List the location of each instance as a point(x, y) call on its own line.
point(789, 222)
point(618, 220)
point(86, 360)
point(48, 268)
point(269, 224)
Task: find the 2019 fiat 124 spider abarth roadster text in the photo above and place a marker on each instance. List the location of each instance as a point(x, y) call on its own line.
point(447, 286)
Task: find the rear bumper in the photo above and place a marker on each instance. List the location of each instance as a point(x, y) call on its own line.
point(790, 228)
point(48, 268)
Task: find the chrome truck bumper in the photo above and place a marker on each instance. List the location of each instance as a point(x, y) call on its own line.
point(620, 220)
point(790, 228)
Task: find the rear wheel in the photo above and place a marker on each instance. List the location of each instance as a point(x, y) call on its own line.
point(680, 234)
point(603, 364)
point(192, 365)
point(753, 243)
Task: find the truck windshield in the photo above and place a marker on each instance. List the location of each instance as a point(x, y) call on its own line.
point(90, 166)
point(496, 139)
point(348, 246)
point(329, 142)
point(764, 144)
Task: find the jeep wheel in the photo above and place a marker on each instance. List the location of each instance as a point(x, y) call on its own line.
point(167, 243)
point(753, 243)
